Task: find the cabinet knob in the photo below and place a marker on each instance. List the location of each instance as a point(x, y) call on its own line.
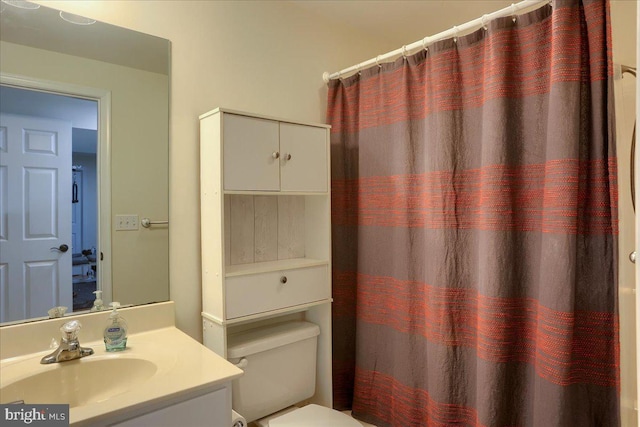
point(275, 154)
point(288, 156)
point(283, 279)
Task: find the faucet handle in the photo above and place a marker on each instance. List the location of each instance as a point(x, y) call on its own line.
point(70, 330)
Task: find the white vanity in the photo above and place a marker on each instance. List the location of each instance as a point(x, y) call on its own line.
point(265, 229)
point(163, 378)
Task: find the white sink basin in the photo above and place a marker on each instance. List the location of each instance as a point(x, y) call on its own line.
point(159, 368)
point(80, 382)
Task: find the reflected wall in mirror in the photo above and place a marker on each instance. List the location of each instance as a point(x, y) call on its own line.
point(84, 141)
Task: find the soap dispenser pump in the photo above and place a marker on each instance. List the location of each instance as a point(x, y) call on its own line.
point(115, 334)
point(98, 304)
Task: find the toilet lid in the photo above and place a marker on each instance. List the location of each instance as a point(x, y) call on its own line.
point(314, 416)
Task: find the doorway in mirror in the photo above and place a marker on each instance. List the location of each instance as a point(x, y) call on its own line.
point(48, 202)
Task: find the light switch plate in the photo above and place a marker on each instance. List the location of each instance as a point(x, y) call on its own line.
point(126, 222)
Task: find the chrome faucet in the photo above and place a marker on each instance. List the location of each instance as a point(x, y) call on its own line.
point(69, 348)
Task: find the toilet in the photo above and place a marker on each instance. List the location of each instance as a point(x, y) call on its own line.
point(279, 363)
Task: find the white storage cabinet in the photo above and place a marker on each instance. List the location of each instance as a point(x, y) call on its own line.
point(265, 228)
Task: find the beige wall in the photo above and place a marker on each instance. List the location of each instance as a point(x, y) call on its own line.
point(263, 57)
point(139, 182)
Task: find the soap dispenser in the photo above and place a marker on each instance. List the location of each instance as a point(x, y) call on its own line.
point(115, 334)
point(98, 304)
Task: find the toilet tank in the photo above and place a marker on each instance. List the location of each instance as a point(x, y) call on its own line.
point(279, 363)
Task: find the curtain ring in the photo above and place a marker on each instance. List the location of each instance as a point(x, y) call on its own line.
point(513, 13)
point(455, 34)
point(378, 61)
point(483, 20)
point(404, 52)
point(424, 44)
point(358, 72)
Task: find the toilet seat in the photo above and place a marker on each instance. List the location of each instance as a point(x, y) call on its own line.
point(314, 416)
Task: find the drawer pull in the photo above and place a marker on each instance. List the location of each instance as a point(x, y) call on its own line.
point(283, 279)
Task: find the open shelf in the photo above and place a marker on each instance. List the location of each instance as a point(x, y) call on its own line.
point(265, 315)
point(275, 193)
point(269, 266)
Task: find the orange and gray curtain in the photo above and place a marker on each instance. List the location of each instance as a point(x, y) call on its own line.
point(475, 226)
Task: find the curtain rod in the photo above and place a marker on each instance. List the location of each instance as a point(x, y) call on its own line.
point(452, 32)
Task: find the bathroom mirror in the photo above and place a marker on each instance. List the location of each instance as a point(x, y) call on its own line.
point(107, 88)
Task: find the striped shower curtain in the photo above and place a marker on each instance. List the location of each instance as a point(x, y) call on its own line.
point(474, 216)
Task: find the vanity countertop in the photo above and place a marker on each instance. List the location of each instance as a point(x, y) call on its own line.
point(185, 369)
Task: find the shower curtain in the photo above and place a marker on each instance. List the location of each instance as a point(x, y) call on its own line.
point(475, 225)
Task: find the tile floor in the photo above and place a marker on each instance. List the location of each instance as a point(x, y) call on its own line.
point(346, 412)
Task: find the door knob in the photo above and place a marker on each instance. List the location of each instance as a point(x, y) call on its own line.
point(62, 248)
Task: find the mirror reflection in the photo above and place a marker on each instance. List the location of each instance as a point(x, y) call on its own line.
point(83, 159)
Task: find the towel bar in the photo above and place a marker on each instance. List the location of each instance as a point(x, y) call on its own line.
point(146, 222)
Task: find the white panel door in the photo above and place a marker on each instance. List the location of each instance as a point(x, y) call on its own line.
point(250, 153)
point(35, 216)
point(303, 152)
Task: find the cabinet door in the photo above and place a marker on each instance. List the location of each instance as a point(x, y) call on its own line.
point(303, 161)
point(249, 147)
point(212, 409)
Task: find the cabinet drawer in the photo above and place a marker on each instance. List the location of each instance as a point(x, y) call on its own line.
point(259, 293)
